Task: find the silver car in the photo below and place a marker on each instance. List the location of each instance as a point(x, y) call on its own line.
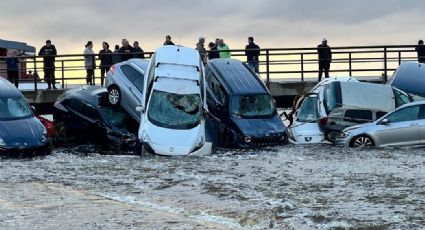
point(403, 126)
point(124, 82)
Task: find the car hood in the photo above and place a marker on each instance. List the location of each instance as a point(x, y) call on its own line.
point(22, 132)
point(172, 141)
point(359, 127)
point(260, 127)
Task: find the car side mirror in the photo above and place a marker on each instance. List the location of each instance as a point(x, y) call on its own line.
point(140, 108)
point(384, 122)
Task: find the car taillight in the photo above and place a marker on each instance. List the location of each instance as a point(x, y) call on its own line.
point(323, 121)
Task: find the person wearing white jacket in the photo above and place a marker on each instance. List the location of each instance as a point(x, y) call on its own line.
point(89, 63)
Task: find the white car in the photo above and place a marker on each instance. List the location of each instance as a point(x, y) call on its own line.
point(305, 129)
point(172, 120)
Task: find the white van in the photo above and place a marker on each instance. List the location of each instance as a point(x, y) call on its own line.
point(172, 119)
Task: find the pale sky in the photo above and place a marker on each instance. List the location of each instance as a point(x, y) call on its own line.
point(273, 23)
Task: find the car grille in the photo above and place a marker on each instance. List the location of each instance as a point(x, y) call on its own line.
point(266, 141)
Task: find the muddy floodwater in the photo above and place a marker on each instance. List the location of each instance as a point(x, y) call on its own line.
point(288, 187)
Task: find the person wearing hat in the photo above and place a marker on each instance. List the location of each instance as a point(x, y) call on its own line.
point(89, 62)
point(48, 52)
point(420, 49)
point(325, 58)
point(200, 47)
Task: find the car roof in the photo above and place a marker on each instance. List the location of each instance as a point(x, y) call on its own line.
point(237, 77)
point(409, 77)
point(177, 55)
point(7, 89)
point(89, 94)
point(141, 63)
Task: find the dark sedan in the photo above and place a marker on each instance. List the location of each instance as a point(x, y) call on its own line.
point(83, 115)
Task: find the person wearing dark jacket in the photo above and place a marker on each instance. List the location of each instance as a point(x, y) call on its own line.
point(105, 61)
point(138, 51)
point(49, 52)
point(116, 57)
point(325, 58)
point(252, 53)
point(13, 70)
point(420, 49)
point(168, 41)
point(213, 53)
point(126, 51)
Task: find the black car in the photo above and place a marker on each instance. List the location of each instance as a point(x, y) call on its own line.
point(83, 115)
point(244, 110)
point(20, 131)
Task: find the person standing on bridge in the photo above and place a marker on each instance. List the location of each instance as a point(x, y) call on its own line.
point(223, 48)
point(12, 67)
point(89, 63)
point(105, 56)
point(168, 41)
point(252, 53)
point(325, 58)
point(420, 49)
point(139, 53)
point(49, 52)
point(126, 50)
point(200, 47)
point(116, 57)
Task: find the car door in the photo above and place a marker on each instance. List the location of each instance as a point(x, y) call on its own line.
point(132, 95)
point(399, 128)
point(76, 121)
point(421, 123)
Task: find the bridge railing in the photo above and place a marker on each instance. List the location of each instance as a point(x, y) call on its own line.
point(276, 64)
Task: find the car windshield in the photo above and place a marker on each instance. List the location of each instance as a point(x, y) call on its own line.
point(253, 105)
point(118, 118)
point(308, 110)
point(400, 98)
point(175, 111)
point(12, 108)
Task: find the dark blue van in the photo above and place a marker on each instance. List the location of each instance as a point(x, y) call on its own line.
point(243, 109)
point(20, 131)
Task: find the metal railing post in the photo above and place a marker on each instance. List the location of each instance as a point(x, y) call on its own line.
point(349, 65)
point(94, 69)
point(35, 74)
point(302, 67)
point(385, 65)
point(63, 74)
point(268, 68)
point(399, 57)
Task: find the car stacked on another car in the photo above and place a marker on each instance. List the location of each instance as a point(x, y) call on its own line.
point(243, 106)
point(125, 84)
point(84, 115)
point(20, 131)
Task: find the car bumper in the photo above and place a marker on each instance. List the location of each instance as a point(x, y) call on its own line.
point(345, 142)
point(27, 151)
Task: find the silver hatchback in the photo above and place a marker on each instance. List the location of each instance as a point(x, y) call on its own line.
point(124, 82)
point(403, 126)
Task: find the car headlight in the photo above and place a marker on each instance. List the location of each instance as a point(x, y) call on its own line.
point(344, 134)
point(145, 137)
point(2, 143)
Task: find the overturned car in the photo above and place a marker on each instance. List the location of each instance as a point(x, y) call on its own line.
point(84, 115)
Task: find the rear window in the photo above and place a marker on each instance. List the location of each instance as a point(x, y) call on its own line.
point(308, 110)
point(358, 116)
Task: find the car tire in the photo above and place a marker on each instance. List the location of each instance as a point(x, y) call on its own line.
point(114, 95)
point(331, 135)
point(362, 141)
point(141, 149)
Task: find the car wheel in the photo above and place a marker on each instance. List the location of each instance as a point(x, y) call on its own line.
point(141, 149)
point(114, 95)
point(362, 141)
point(331, 135)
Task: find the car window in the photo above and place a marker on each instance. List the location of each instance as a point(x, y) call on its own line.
point(405, 114)
point(400, 98)
point(131, 73)
point(308, 110)
point(217, 88)
point(330, 100)
point(358, 116)
point(139, 84)
point(91, 113)
point(380, 114)
point(76, 105)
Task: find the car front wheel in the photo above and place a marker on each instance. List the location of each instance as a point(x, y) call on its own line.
point(114, 96)
point(362, 141)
